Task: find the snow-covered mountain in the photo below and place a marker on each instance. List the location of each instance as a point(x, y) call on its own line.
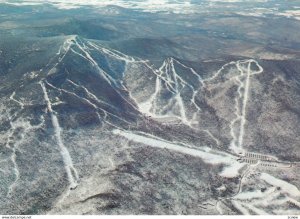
point(149, 107)
point(87, 129)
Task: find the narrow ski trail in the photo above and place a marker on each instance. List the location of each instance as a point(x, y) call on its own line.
point(68, 163)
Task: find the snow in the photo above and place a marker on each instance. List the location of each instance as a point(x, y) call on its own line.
point(24, 127)
point(69, 167)
point(243, 81)
point(270, 200)
point(206, 154)
point(240, 207)
point(285, 186)
point(254, 194)
point(168, 80)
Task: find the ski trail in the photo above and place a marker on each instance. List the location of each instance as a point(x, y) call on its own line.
point(89, 103)
point(167, 79)
point(285, 186)
point(176, 105)
point(13, 158)
point(218, 208)
point(146, 106)
point(272, 199)
point(240, 207)
point(113, 53)
point(218, 72)
point(245, 101)
point(208, 155)
point(15, 139)
point(89, 58)
point(66, 47)
point(109, 79)
point(15, 166)
point(180, 104)
point(191, 69)
point(13, 148)
point(243, 80)
point(91, 95)
point(68, 163)
point(94, 98)
point(212, 136)
point(156, 73)
point(12, 97)
point(257, 210)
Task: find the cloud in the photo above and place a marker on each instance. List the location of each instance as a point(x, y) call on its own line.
point(147, 6)
point(174, 6)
